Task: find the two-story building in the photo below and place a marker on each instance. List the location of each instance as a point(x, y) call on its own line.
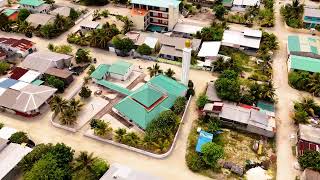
point(155, 15)
point(35, 6)
point(311, 17)
point(20, 47)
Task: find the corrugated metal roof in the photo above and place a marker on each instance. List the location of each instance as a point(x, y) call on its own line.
point(147, 95)
point(309, 133)
point(209, 49)
point(32, 2)
point(7, 83)
point(305, 63)
point(100, 72)
point(114, 87)
point(120, 67)
point(142, 115)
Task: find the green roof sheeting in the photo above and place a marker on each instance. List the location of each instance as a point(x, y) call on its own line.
point(32, 2)
point(266, 106)
point(305, 63)
point(37, 82)
point(147, 102)
point(100, 72)
point(114, 87)
point(294, 43)
point(9, 12)
point(147, 95)
point(314, 49)
point(157, 3)
point(120, 67)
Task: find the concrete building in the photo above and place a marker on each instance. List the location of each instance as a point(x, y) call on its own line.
point(89, 26)
point(311, 17)
point(303, 53)
point(247, 40)
point(121, 172)
point(39, 19)
point(20, 47)
point(42, 61)
point(155, 15)
point(185, 30)
point(308, 139)
point(35, 6)
point(121, 70)
point(147, 102)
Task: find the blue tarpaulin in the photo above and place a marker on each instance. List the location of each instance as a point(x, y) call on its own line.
point(204, 137)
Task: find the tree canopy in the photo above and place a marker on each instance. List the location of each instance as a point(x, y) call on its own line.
point(212, 153)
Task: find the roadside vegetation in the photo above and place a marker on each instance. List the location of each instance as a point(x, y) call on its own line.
point(292, 14)
point(305, 81)
point(304, 110)
point(48, 161)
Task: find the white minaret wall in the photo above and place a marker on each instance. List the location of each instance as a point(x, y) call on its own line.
point(186, 61)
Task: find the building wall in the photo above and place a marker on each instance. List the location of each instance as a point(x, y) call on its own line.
point(260, 131)
point(138, 22)
point(173, 17)
point(122, 77)
point(44, 8)
point(304, 146)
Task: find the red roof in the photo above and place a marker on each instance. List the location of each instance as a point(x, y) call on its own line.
point(22, 44)
point(17, 73)
point(248, 106)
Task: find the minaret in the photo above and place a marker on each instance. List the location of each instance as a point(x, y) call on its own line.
point(186, 60)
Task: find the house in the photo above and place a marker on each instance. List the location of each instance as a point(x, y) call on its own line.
point(89, 26)
point(101, 72)
point(39, 19)
point(63, 74)
point(155, 15)
point(35, 6)
point(121, 172)
point(42, 61)
point(211, 93)
point(17, 73)
point(247, 40)
point(308, 139)
point(62, 11)
point(148, 101)
point(20, 47)
point(171, 47)
point(12, 14)
point(22, 98)
point(11, 154)
point(120, 70)
point(311, 17)
point(303, 53)
point(241, 5)
point(309, 174)
point(209, 50)
point(185, 30)
point(250, 120)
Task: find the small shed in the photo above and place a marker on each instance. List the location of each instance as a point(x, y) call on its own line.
point(308, 139)
point(121, 70)
point(204, 137)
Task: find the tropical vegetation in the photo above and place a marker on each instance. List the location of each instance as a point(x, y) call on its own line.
point(305, 108)
point(292, 14)
point(85, 92)
point(310, 159)
point(101, 128)
point(66, 110)
point(4, 67)
point(62, 49)
point(305, 81)
point(154, 70)
point(212, 33)
point(19, 137)
point(48, 161)
point(55, 83)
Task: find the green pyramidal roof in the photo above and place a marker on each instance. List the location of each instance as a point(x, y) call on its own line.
point(145, 104)
point(32, 2)
point(147, 95)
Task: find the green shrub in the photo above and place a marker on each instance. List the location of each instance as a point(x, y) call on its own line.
point(99, 167)
point(194, 162)
point(1, 125)
point(212, 153)
point(310, 160)
point(179, 105)
point(85, 92)
point(202, 101)
point(19, 137)
point(144, 49)
point(300, 117)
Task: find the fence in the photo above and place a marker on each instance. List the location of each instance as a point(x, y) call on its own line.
point(150, 154)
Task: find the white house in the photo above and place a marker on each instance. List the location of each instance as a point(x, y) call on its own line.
point(241, 5)
point(88, 26)
point(35, 6)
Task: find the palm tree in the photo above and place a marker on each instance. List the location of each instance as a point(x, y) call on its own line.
point(120, 133)
point(68, 117)
point(161, 145)
point(268, 91)
point(132, 139)
point(314, 84)
point(170, 73)
point(307, 104)
point(84, 160)
point(218, 65)
point(75, 105)
point(128, 24)
point(103, 129)
point(58, 104)
point(103, 38)
point(93, 38)
point(154, 70)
